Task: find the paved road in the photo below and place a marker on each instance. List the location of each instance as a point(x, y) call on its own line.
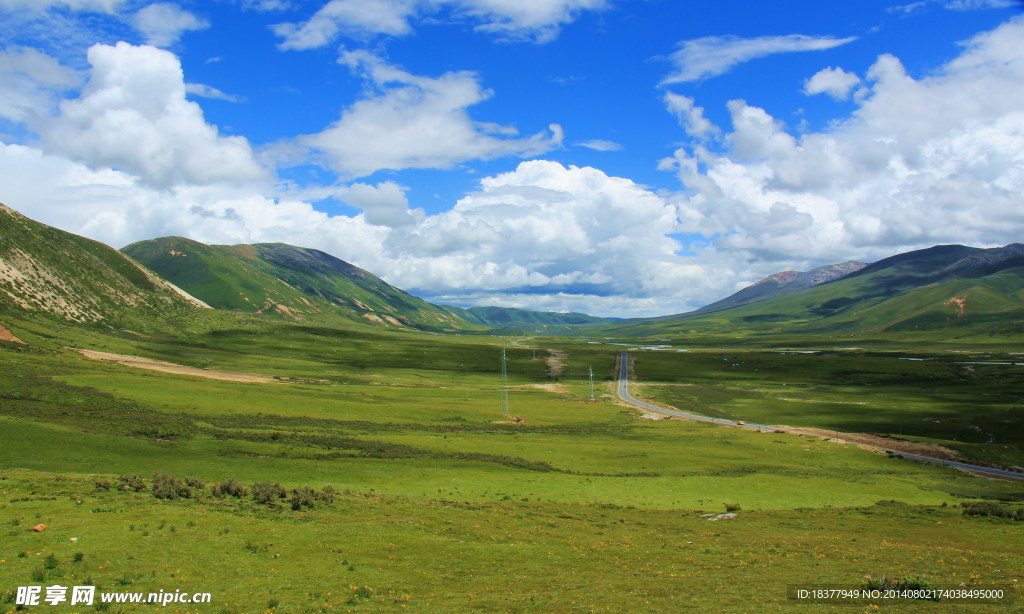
point(623, 391)
point(628, 398)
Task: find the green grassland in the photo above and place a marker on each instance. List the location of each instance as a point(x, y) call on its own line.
point(443, 505)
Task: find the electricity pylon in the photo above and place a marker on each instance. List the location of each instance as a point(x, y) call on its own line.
point(504, 384)
point(590, 372)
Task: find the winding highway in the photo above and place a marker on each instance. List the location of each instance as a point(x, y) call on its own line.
point(623, 392)
point(628, 398)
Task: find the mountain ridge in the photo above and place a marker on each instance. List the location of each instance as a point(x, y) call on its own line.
point(784, 282)
point(952, 288)
point(46, 270)
point(294, 282)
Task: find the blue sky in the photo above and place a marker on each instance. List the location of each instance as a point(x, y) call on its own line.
point(618, 157)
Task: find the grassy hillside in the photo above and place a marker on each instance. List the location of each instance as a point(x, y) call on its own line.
point(783, 283)
point(950, 292)
point(49, 272)
point(291, 282)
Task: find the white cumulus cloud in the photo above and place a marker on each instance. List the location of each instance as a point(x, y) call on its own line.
point(920, 162)
point(31, 83)
point(163, 23)
point(133, 115)
point(417, 122)
point(691, 117)
point(710, 56)
point(835, 82)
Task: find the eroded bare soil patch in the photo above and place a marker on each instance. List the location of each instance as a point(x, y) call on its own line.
point(169, 367)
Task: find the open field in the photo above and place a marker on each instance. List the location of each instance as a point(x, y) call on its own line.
point(367, 552)
point(441, 507)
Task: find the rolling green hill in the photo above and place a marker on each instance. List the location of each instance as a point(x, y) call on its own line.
point(948, 290)
point(46, 271)
point(292, 282)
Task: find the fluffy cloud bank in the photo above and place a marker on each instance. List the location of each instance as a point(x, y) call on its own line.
point(920, 162)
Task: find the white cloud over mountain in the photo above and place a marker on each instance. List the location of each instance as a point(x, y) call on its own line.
point(920, 162)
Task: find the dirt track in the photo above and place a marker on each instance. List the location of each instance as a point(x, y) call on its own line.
point(875, 442)
point(170, 367)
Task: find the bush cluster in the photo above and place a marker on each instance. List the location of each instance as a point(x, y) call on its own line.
point(229, 488)
point(133, 483)
point(166, 486)
point(991, 508)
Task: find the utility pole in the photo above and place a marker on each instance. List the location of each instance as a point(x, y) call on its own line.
point(504, 384)
point(590, 372)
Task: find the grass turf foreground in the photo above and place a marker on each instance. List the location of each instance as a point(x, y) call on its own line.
point(373, 553)
point(441, 506)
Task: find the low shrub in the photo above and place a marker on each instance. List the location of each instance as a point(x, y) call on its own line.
point(302, 497)
point(267, 493)
point(168, 487)
point(133, 483)
point(991, 508)
point(326, 494)
point(229, 488)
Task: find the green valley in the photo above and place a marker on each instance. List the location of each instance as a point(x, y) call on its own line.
point(372, 468)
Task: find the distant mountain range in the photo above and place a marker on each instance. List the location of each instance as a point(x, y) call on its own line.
point(43, 270)
point(784, 283)
point(512, 318)
point(953, 288)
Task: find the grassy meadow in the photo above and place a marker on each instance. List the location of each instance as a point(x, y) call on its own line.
point(442, 503)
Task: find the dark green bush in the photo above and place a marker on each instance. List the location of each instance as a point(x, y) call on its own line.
point(326, 494)
point(131, 482)
point(267, 493)
point(229, 488)
point(302, 497)
point(991, 508)
point(168, 487)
